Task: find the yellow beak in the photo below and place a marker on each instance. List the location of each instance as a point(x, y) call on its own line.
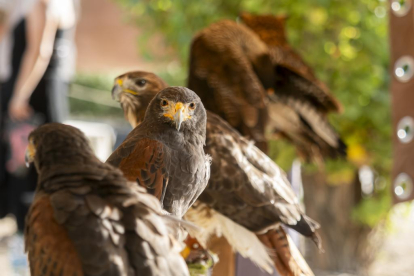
point(119, 88)
point(29, 154)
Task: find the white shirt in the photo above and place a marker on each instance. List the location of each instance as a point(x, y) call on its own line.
point(62, 10)
point(15, 11)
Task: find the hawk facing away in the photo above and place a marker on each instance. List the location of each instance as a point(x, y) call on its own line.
point(245, 189)
point(249, 75)
point(165, 152)
point(87, 219)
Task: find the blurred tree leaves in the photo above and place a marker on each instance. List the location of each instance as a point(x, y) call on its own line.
point(344, 41)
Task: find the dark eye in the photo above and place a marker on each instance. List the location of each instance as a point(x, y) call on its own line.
point(192, 106)
point(141, 83)
point(164, 102)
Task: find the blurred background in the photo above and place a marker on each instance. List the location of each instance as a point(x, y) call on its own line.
point(347, 44)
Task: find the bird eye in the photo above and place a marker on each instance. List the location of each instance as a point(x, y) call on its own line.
point(141, 83)
point(164, 103)
point(192, 106)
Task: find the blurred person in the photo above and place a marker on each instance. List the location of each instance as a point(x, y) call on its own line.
point(37, 61)
point(12, 46)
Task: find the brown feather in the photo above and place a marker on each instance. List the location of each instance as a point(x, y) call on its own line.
point(145, 165)
point(228, 67)
point(246, 186)
point(50, 250)
point(287, 258)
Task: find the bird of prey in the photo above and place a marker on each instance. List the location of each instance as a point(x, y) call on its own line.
point(87, 219)
point(165, 152)
point(247, 192)
point(250, 76)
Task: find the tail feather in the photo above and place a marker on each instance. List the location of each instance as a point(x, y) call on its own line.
point(286, 257)
point(242, 240)
point(304, 125)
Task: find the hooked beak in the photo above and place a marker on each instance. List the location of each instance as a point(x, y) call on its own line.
point(179, 115)
point(117, 90)
point(27, 158)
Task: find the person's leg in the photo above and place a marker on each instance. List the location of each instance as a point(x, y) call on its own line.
point(22, 193)
point(4, 210)
point(19, 46)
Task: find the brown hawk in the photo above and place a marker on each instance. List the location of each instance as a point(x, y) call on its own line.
point(86, 219)
point(251, 77)
point(247, 192)
point(165, 152)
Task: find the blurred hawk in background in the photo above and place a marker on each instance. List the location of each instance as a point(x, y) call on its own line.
point(250, 76)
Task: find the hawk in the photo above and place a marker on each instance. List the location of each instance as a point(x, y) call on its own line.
point(250, 76)
point(87, 219)
point(247, 192)
point(165, 152)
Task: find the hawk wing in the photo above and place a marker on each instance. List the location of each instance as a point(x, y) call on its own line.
point(299, 106)
point(142, 160)
point(50, 250)
point(74, 231)
point(229, 69)
point(298, 101)
point(152, 250)
point(248, 187)
point(95, 219)
point(292, 73)
point(294, 78)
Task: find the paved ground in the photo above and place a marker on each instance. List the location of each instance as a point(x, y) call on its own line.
point(394, 259)
point(7, 228)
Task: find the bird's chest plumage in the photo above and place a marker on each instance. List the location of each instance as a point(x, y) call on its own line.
point(187, 177)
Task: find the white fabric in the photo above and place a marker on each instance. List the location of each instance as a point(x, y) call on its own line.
point(64, 11)
point(15, 10)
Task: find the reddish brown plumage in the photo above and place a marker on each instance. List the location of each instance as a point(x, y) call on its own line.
point(156, 153)
point(145, 165)
point(236, 189)
point(87, 219)
point(286, 257)
point(50, 250)
point(250, 76)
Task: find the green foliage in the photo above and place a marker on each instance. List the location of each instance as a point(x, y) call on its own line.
point(282, 152)
point(94, 81)
point(373, 209)
point(344, 41)
point(95, 90)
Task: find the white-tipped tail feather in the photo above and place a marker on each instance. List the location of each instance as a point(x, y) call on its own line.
point(298, 258)
point(242, 240)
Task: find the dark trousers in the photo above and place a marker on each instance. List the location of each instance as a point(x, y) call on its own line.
point(49, 103)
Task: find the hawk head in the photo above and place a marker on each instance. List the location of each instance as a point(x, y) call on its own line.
point(180, 108)
point(135, 90)
point(54, 144)
point(270, 28)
